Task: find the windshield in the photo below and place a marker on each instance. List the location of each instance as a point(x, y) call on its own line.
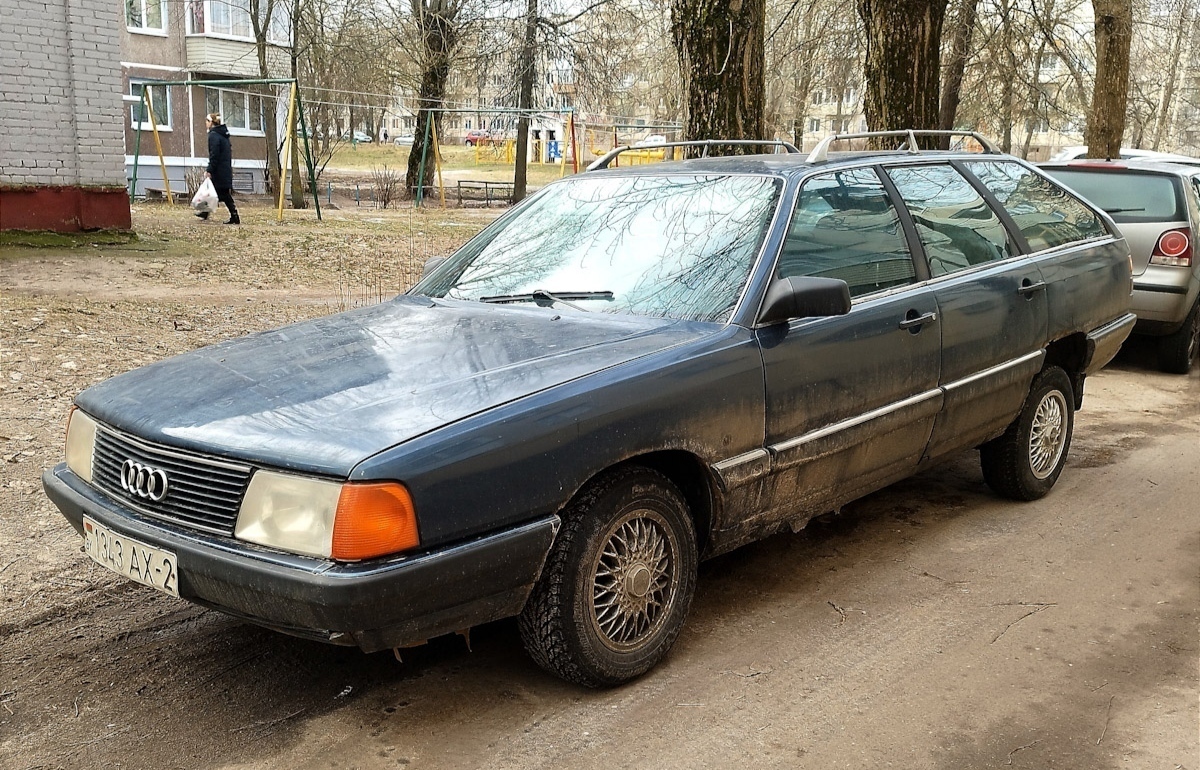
point(1129, 196)
point(678, 247)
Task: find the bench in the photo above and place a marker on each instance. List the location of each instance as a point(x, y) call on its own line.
point(159, 193)
point(481, 190)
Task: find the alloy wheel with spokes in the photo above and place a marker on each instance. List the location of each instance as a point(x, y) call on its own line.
point(1046, 434)
point(618, 582)
point(1026, 460)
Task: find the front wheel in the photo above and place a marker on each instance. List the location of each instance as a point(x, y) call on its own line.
point(618, 583)
point(1025, 462)
point(1178, 351)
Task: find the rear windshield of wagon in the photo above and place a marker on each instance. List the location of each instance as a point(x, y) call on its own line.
point(1128, 196)
point(670, 246)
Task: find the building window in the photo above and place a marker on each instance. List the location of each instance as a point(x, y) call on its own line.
point(814, 125)
point(160, 100)
point(145, 15)
point(242, 113)
point(231, 18)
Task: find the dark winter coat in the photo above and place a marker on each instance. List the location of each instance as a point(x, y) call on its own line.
point(220, 158)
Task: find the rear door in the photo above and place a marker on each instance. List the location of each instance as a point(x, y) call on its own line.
point(991, 299)
point(850, 399)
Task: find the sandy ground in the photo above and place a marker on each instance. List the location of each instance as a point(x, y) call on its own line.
point(931, 625)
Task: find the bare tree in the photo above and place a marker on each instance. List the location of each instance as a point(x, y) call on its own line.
point(903, 62)
point(1106, 119)
point(438, 32)
point(720, 45)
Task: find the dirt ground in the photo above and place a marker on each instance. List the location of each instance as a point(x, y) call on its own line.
point(930, 625)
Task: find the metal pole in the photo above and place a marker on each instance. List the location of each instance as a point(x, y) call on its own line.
point(287, 151)
point(308, 158)
point(157, 143)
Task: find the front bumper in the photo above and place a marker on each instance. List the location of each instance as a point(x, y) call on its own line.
point(377, 604)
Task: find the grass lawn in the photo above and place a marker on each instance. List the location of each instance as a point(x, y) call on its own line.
point(458, 162)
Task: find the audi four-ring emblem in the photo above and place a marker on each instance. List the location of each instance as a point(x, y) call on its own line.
point(143, 480)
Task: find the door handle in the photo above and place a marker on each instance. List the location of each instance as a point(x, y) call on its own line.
point(914, 321)
point(1028, 288)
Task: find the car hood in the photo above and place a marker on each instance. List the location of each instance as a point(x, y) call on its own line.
point(323, 395)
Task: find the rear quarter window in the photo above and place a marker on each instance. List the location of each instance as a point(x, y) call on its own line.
point(1046, 214)
point(1128, 196)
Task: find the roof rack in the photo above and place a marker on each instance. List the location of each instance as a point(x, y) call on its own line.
point(821, 152)
point(608, 157)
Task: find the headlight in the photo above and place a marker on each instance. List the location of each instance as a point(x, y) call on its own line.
point(314, 517)
point(81, 440)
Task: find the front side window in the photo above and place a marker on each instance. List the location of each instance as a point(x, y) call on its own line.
point(677, 247)
point(145, 15)
point(956, 226)
point(1046, 214)
point(160, 101)
point(845, 226)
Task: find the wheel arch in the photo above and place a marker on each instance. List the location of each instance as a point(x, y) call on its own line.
point(1069, 354)
point(687, 472)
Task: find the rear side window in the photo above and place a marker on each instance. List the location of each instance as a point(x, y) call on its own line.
point(956, 226)
point(845, 226)
point(1128, 196)
point(1046, 214)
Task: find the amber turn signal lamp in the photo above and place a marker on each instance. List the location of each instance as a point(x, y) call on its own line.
point(373, 520)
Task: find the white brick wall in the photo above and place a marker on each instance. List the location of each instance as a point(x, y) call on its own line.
point(60, 93)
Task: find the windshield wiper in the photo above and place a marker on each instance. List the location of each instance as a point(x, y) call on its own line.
point(1123, 211)
point(541, 295)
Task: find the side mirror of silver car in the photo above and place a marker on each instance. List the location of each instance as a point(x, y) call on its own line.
point(804, 297)
point(431, 264)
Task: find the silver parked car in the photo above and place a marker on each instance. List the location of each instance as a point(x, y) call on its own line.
point(1157, 207)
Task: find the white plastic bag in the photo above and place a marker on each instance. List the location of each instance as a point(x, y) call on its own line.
point(205, 199)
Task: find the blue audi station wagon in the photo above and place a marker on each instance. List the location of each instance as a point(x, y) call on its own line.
point(635, 369)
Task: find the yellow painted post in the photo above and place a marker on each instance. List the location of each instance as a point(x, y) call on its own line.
point(562, 155)
point(146, 99)
point(287, 151)
point(437, 164)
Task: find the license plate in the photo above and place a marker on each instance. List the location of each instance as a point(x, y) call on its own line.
point(131, 558)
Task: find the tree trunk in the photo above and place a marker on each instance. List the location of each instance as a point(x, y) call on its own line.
point(960, 52)
point(720, 45)
point(439, 36)
point(260, 19)
point(525, 100)
point(299, 177)
point(1106, 120)
point(903, 63)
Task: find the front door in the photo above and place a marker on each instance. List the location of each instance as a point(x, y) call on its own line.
point(850, 399)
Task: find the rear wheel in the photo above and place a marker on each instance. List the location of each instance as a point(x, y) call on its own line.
point(1178, 351)
point(618, 582)
point(1025, 462)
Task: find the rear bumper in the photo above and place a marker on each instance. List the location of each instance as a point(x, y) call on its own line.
point(1162, 297)
point(375, 605)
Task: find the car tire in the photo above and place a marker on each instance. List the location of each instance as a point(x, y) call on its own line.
point(469, 143)
point(1025, 462)
point(1179, 350)
point(618, 582)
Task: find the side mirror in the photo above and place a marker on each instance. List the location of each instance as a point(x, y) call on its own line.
point(804, 297)
point(431, 264)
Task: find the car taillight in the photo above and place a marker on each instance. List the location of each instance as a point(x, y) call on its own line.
point(1174, 249)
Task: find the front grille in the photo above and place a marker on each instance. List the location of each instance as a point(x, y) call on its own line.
point(202, 492)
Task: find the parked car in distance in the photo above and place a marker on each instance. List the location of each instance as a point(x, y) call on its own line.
point(403, 140)
point(1079, 152)
point(654, 139)
point(633, 370)
point(472, 138)
point(1157, 207)
point(360, 137)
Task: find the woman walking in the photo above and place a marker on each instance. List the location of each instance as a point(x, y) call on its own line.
point(220, 166)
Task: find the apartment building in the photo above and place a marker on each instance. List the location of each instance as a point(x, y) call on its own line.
point(167, 42)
